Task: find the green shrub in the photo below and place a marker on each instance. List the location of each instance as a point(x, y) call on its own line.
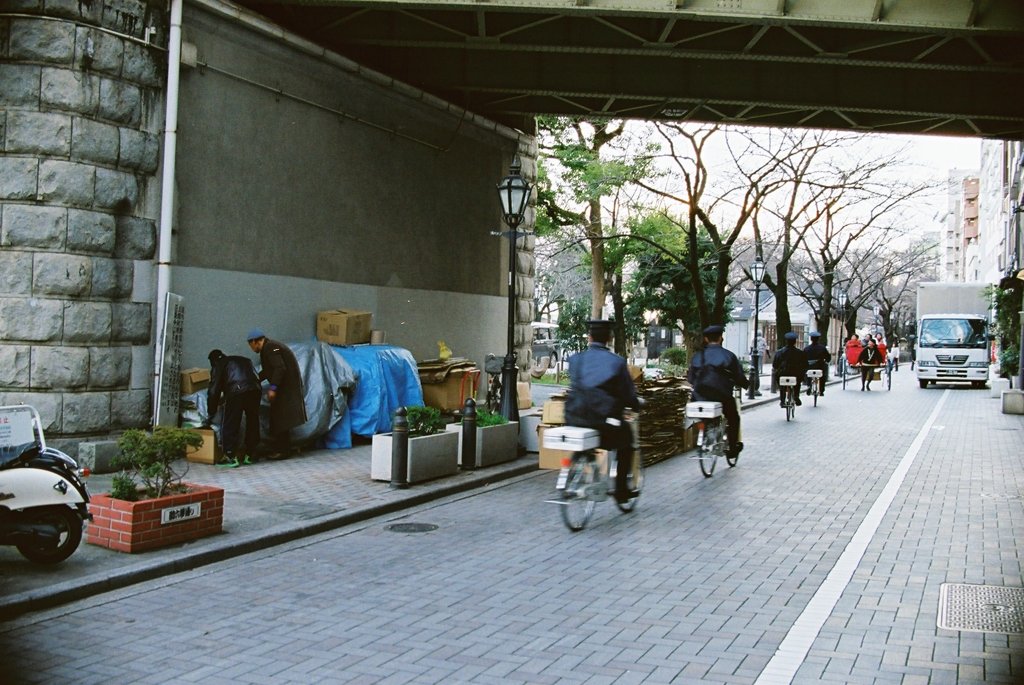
point(123, 487)
point(424, 420)
point(1009, 361)
point(150, 457)
point(674, 356)
point(486, 418)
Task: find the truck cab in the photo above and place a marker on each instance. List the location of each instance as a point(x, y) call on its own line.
point(952, 348)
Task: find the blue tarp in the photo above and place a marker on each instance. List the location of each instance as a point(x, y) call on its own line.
point(387, 378)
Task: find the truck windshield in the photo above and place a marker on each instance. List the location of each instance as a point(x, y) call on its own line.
point(953, 333)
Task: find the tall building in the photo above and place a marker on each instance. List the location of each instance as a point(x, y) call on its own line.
point(961, 225)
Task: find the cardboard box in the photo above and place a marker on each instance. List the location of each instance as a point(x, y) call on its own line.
point(208, 452)
point(524, 395)
point(451, 394)
point(194, 380)
point(343, 327)
point(554, 411)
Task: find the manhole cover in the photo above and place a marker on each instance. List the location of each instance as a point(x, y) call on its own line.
point(411, 527)
point(981, 608)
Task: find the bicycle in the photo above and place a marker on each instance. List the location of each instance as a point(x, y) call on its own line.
point(814, 378)
point(492, 367)
point(587, 471)
point(712, 436)
point(787, 388)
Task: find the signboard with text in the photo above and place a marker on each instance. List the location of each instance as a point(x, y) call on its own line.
point(169, 379)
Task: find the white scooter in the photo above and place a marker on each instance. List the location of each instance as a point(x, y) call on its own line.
point(43, 497)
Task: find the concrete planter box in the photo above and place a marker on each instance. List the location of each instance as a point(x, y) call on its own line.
point(151, 523)
point(430, 456)
point(494, 444)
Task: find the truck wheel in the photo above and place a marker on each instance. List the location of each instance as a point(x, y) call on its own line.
point(922, 383)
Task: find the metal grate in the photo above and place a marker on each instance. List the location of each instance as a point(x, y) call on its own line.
point(412, 527)
point(981, 608)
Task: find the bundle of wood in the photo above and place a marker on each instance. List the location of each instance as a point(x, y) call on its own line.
point(661, 418)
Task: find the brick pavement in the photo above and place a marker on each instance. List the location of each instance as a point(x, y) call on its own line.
point(700, 585)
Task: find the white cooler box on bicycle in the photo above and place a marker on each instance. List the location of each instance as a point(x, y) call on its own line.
point(572, 438)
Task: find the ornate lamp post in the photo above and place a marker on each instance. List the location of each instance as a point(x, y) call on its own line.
point(842, 311)
point(514, 194)
point(756, 274)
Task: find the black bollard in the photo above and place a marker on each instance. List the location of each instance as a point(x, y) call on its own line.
point(400, 450)
point(468, 456)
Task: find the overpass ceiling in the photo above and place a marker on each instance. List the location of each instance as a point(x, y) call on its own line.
point(909, 66)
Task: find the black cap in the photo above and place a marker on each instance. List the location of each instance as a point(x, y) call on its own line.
point(791, 336)
point(815, 334)
point(715, 329)
point(600, 324)
point(214, 355)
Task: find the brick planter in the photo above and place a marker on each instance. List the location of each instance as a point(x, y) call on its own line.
point(147, 524)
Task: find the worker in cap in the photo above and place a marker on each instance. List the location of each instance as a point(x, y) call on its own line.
point(600, 390)
point(790, 360)
point(233, 380)
point(818, 357)
point(714, 372)
point(280, 369)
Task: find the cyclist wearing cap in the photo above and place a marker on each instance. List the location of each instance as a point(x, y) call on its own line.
point(600, 388)
point(818, 357)
point(790, 361)
point(714, 372)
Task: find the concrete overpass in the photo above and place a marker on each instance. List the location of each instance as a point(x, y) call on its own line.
point(911, 66)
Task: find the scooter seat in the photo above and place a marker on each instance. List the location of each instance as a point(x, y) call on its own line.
point(11, 453)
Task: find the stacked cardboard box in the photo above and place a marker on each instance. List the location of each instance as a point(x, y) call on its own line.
point(343, 326)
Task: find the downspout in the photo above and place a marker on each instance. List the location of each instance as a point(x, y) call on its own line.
point(164, 229)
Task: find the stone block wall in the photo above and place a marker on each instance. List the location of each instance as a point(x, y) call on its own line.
point(80, 119)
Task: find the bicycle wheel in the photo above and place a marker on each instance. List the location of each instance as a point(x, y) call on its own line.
point(707, 454)
point(815, 393)
point(844, 375)
point(888, 378)
point(577, 506)
point(790, 405)
point(635, 483)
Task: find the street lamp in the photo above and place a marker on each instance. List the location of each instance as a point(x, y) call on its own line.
point(842, 311)
point(513, 193)
point(756, 274)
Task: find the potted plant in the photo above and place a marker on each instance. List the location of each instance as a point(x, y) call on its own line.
point(150, 505)
point(497, 438)
point(433, 452)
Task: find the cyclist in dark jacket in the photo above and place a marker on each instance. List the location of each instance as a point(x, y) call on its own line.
point(818, 357)
point(600, 389)
point(713, 373)
point(790, 361)
point(234, 379)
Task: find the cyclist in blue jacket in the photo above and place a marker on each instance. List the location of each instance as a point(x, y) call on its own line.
point(600, 388)
point(714, 372)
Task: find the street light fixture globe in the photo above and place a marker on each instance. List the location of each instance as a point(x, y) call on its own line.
point(514, 195)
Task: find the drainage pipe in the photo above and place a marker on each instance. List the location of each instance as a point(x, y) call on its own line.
point(164, 229)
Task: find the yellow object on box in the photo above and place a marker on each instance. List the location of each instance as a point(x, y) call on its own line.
point(208, 452)
point(194, 380)
point(343, 326)
point(554, 411)
point(523, 395)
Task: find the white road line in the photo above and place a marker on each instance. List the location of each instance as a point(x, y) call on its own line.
point(794, 647)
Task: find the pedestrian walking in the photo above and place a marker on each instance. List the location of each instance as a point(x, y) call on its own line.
point(233, 380)
point(280, 369)
point(870, 359)
point(894, 355)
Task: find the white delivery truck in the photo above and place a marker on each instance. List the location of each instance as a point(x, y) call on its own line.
point(952, 334)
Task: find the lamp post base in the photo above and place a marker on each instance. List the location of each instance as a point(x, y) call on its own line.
point(509, 389)
point(754, 382)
